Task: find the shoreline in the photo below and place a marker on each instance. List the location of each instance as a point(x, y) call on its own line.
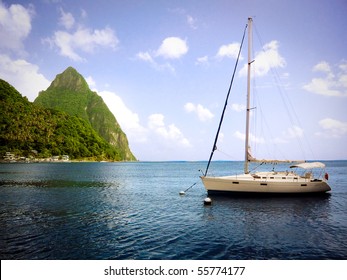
point(60, 161)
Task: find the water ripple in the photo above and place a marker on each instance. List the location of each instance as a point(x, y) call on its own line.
point(133, 211)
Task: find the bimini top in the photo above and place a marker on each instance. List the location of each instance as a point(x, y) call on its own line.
point(309, 165)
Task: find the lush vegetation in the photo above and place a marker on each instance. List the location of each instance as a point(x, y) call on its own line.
point(26, 127)
point(69, 92)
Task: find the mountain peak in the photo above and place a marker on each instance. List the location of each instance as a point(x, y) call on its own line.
point(70, 79)
point(69, 92)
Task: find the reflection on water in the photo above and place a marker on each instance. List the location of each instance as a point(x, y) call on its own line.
point(133, 211)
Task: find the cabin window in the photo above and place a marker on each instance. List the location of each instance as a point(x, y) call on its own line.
point(263, 184)
point(303, 185)
point(236, 182)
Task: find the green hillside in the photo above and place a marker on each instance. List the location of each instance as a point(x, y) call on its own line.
point(69, 92)
point(26, 127)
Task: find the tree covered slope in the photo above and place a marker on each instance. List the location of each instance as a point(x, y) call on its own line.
point(27, 127)
point(69, 92)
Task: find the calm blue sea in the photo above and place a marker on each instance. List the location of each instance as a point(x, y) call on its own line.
point(134, 211)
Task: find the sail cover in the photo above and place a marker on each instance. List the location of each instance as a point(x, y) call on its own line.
point(309, 165)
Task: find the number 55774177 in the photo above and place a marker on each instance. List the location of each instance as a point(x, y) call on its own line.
point(218, 270)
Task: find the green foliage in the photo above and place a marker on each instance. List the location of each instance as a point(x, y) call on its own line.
point(25, 126)
point(70, 93)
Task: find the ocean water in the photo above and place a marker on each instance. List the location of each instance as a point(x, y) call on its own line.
point(134, 211)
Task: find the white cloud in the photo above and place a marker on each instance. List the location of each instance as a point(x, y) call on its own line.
point(155, 135)
point(253, 138)
point(332, 128)
point(66, 19)
point(230, 51)
point(238, 107)
point(71, 43)
point(128, 120)
point(202, 60)
point(15, 26)
point(152, 134)
point(332, 84)
point(172, 48)
point(155, 121)
point(288, 134)
point(24, 76)
point(146, 57)
point(203, 113)
point(167, 132)
point(83, 14)
point(322, 66)
point(192, 22)
point(323, 86)
point(294, 132)
point(90, 81)
point(265, 60)
point(343, 66)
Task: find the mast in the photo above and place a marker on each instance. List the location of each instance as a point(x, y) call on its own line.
point(248, 93)
point(225, 104)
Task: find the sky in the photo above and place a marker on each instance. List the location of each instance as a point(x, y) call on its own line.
point(164, 68)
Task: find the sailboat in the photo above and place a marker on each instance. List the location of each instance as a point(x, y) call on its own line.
point(268, 182)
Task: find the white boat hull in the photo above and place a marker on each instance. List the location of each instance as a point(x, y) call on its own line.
point(246, 183)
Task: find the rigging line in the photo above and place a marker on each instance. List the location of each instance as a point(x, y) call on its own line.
point(293, 117)
point(253, 113)
point(284, 96)
point(226, 103)
point(265, 128)
point(226, 154)
point(264, 125)
point(257, 101)
point(256, 167)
